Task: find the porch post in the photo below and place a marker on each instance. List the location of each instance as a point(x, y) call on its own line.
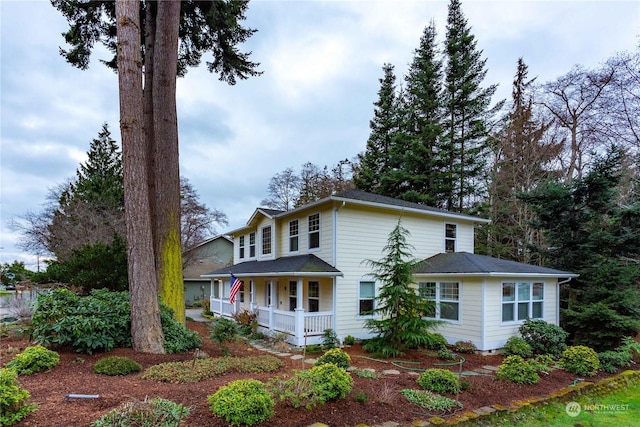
point(270, 304)
point(299, 314)
point(221, 293)
point(252, 297)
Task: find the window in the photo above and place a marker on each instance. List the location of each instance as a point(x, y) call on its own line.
point(293, 236)
point(522, 300)
point(314, 231)
point(252, 245)
point(293, 295)
point(241, 245)
point(367, 298)
point(313, 297)
point(446, 298)
point(266, 240)
point(216, 289)
point(450, 232)
point(241, 292)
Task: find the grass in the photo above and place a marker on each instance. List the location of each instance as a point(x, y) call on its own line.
point(619, 408)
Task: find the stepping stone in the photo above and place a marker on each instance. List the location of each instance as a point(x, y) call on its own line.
point(283, 354)
point(469, 373)
point(391, 372)
point(484, 371)
point(310, 361)
point(490, 368)
point(297, 357)
point(485, 410)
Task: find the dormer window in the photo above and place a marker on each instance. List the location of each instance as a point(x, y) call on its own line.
point(314, 231)
point(450, 233)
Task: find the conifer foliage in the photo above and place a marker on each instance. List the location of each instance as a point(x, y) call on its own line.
point(400, 321)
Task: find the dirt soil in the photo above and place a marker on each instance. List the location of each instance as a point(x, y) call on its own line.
point(74, 374)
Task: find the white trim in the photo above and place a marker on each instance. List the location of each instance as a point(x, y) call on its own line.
point(358, 298)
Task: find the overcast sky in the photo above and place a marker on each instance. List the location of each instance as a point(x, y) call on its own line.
point(321, 62)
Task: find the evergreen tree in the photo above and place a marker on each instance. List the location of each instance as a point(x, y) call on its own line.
point(590, 234)
point(421, 163)
point(523, 158)
point(374, 163)
point(400, 312)
point(468, 113)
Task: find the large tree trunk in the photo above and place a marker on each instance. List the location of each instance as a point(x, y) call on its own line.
point(167, 176)
point(146, 330)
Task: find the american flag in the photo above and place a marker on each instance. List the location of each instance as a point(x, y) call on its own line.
point(236, 284)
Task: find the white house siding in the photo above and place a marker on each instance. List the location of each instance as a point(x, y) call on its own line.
point(469, 328)
point(360, 236)
point(325, 251)
point(496, 332)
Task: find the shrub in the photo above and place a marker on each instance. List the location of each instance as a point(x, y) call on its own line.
point(361, 397)
point(466, 347)
point(542, 363)
point(544, 337)
point(445, 354)
point(430, 401)
point(222, 331)
point(349, 340)
point(580, 360)
point(517, 370)
point(177, 337)
point(13, 405)
point(154, 412)
point(242, 402)
point(330, 339)
point(516, 346)
point(247, 321)
point(335, 356)
point(33, 359)
point(313, 349)
point(435, 341)
point(612, 360)
point(99, 322)
point(439, 381)
point(116, 365)
point(328, 382)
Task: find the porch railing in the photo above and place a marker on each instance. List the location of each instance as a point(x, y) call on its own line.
point(303, 327)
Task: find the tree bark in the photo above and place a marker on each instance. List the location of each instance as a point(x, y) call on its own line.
point(146, 330)
point(167, 175)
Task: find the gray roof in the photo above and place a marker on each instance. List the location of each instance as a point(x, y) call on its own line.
point(384, 200)
point(464, 263)
point(299, 265)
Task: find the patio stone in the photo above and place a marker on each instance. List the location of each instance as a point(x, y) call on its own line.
point(391, 372)
point(297, 357)
point(490, 367)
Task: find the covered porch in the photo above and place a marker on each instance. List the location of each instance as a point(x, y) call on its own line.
point(291, 295)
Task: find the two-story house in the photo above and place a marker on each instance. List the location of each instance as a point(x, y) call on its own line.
point(305, 270)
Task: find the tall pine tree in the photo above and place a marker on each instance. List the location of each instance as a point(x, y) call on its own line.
point(374, 163)
point(422, 165)
point(468, 113)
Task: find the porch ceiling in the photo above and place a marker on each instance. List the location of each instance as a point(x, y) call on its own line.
point(300, 265)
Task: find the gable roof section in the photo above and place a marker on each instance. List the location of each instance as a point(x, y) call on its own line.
point(212, 239)
point(362, 197)
point(299, 265)
point(467, 264)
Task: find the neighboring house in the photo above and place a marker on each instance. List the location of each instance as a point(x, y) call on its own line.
point(209, 255)
point(305, 270)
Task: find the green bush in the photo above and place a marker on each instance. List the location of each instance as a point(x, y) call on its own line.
point(328, 382)
point(153, 412)
point(242, 402)
point(224, 330)
point(612, 360)
point(177, 337)
point(33, 359)
point(116, 365)
point(313, 349)
point(516, 346)
point(439, 381)
point(13, 405)
point(517, 370)
point(330, 339)
point(466, 347)
point(335, 356)
point(435, 341)
point(445, 354)
point(349, 340)
point(580, 360)
point(247, 321)
point(544, 337)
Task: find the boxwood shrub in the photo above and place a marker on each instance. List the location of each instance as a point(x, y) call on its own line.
point(516, 369)
point(242, 402)
point(13, 399)
point(439, 381)
point(33, 359)
point(336, 356)
point(580, 360)
point(116, 365)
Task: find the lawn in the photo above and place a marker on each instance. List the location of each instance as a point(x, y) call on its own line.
point(620, 408)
